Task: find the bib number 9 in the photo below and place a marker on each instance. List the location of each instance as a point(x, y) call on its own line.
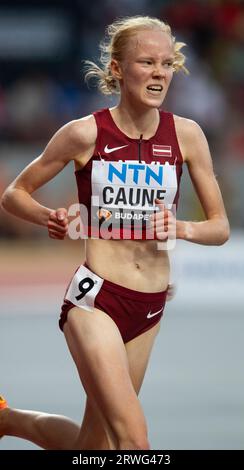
point(84, 289)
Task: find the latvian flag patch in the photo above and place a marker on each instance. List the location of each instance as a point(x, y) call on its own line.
point(162, 151)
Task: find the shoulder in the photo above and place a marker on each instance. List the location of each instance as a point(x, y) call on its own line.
point(72, 140)
point(187, 129)
point(190, 136)
point(81, 132)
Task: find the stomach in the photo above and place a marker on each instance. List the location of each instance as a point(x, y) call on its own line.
point(136, 264)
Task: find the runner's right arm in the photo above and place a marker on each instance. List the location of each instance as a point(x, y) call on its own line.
point(69, 143)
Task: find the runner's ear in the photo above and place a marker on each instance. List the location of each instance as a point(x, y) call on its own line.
point(116, 70)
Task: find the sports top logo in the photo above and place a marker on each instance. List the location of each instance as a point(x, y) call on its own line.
point(113, 149)
point(139, 173)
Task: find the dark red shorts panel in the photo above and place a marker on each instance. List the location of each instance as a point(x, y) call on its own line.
point(133, 312)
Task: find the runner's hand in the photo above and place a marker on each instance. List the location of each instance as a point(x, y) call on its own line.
point(58, 224)
point(163, 222)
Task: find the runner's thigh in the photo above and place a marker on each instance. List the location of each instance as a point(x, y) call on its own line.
point(100, 356)
point(138, 353)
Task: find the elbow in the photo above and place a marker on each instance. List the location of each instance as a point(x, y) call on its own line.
point(5, 199)
point(224, 233)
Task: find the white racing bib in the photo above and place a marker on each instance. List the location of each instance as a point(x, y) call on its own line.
point(84, 288)
point(130, 188)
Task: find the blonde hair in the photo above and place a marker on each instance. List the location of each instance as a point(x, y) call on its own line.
point(115, 43)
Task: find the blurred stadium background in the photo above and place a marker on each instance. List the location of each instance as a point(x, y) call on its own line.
point(193, 392)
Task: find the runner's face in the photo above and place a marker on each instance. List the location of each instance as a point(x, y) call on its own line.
point(147, 69)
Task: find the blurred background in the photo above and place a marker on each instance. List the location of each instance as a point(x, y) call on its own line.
point(193, 393)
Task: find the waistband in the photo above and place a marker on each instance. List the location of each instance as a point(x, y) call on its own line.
point(130, 293)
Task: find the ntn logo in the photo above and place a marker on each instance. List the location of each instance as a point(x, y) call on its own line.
point(138, 171)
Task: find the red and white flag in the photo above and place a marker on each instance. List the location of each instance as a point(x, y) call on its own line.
point(162, 151)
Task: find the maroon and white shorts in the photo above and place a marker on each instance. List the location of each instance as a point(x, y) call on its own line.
point(133, 312)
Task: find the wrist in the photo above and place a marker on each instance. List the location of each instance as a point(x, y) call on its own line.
point(183, 230)
point(44, 219)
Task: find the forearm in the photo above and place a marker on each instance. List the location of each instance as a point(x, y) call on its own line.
point(208, 232)
point(19, 203)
